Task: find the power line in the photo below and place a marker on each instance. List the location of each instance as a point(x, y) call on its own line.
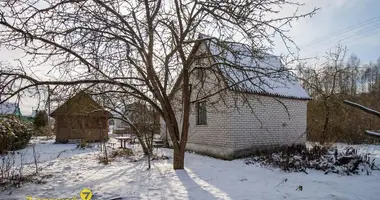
point(343, 31)
point(377, 32)
point(354, 34)
point(353, 40)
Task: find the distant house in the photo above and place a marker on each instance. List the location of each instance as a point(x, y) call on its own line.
point(30, 117)
point(119, 126)
point(271, 113)
point(8, 108)
point(34, 113)
point(137, 113)
point(81, 118)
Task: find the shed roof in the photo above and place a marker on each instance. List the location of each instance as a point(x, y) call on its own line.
point(248, 71)
point(81, 104)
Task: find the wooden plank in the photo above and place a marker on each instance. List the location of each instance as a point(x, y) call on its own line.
point(363, 108)
point(373, 134)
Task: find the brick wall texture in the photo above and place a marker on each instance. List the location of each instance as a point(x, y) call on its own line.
point(239, 122)
point(264, 122)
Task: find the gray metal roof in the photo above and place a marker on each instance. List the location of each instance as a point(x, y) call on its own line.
point(247, 72)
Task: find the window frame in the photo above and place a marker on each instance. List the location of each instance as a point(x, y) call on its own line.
point(201, 113)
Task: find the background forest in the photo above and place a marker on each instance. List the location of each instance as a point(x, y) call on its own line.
point(340, 78)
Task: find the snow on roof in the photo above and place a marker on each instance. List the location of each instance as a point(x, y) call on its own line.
point(7, 108)
point(255, 72)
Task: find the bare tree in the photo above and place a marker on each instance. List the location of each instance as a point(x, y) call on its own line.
point(119, 103)
point(141, 119)
point(353, 71)
point(354, 82)
point(324, 82)
point(141, 48)
point(146, 121)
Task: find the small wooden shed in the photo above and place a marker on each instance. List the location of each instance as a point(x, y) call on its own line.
point(81, 118)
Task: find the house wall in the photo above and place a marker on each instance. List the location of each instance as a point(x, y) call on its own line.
point(120, 127)
point(212, 138)
point(241, 129)
point(215, 137)
point(239, 123)
point(267, 122)
point(90, 135)
point(81, 127)
point(119, 123)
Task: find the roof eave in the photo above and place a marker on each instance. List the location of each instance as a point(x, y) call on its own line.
point(271, 94)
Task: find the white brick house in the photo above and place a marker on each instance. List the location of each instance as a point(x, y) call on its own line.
point(265, 111)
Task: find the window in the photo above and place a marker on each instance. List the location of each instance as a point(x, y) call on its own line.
point(199, 74)
point(198, 61)
point(201, 113)
point(111, 122)
point(123, 124)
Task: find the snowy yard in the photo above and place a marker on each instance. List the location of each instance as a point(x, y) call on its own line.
point(204, 178)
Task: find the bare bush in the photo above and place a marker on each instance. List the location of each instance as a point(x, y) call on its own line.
point(298, 158)
point(126, 152)
point(36, 157)
point(13, 174)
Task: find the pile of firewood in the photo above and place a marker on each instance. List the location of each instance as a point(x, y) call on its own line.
point(298, 158)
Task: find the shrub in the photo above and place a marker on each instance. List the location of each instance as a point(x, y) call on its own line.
point(122, 153)
point(104, 160)
point(14, 133)
point(41, 123)
point(160, 157)
point(345, 123)
point(106, 138)
point(41, 119)
point(82, 144)
point(298, 158)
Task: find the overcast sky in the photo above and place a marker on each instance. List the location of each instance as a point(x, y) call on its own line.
point(354, 23)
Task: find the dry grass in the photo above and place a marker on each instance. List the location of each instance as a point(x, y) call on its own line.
point(118, 153)
point(346, 124)
point(122, 153)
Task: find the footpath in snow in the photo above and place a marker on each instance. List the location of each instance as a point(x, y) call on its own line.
point(204, 178)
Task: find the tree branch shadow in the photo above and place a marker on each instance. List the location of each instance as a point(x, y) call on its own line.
point(193, 188)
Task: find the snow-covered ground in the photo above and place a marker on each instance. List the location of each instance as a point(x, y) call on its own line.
point(46, 150)
point(204, 178)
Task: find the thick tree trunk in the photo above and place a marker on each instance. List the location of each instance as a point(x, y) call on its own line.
point(179, 141)
point(178, 152)
point(179, 159)
point(325, 124)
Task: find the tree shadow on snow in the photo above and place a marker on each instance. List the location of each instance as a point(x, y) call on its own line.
point(193, 188)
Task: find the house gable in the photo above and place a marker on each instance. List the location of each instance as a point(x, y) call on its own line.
point(259, 73)
point(239, 121)
point(80, 104)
